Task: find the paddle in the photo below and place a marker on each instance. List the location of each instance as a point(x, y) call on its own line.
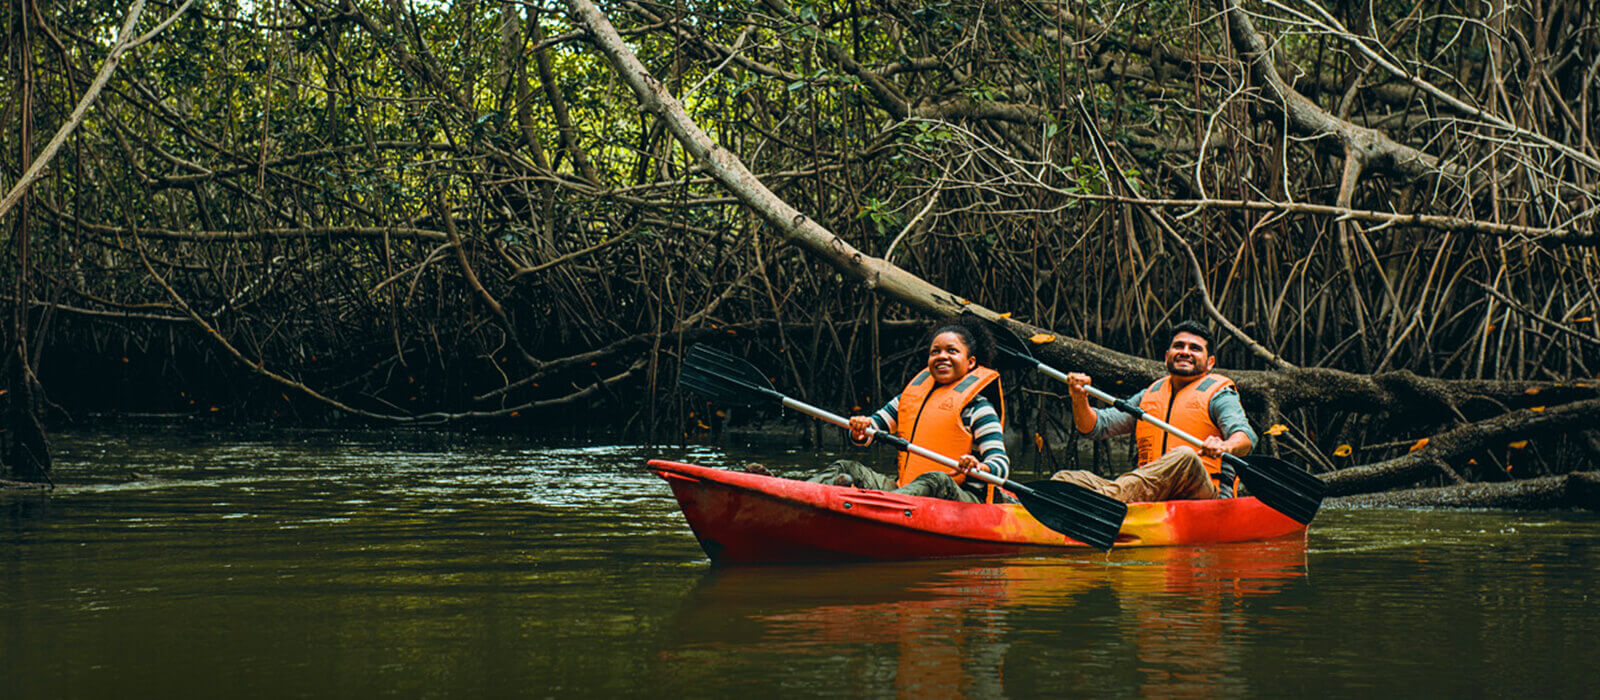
point(1283, 486)
point(1071, 510)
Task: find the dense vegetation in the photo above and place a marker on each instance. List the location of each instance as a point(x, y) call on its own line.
point(425, 212)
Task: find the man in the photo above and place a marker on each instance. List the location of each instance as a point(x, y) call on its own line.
point(1190, 398)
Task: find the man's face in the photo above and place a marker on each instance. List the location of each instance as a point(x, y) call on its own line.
point(1188, 356)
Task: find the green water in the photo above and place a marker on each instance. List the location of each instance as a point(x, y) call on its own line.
point(184, 563)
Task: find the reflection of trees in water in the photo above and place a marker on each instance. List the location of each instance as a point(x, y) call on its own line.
point(1163, 621)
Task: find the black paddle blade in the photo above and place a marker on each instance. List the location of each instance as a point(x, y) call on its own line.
point(1014, 352)
point(724, 378)
point(1285, 487)
point(1072, 510)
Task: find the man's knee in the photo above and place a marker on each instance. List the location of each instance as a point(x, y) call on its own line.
point(1183, 475)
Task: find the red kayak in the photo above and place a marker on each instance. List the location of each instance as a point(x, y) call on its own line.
point(748, 518)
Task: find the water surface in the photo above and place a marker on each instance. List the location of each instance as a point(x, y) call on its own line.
point(183, 562)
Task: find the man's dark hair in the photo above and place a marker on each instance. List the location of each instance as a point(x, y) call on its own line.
point(1196, 328)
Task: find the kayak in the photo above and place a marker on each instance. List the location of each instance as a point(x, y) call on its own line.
point(753, 518)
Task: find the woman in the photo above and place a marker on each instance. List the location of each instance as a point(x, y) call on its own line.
point(953, 407)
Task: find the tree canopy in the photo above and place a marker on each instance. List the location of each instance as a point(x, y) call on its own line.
point(429, 211)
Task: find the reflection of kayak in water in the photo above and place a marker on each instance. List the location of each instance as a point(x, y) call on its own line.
point(943, 628)
point(741, 517)
point(1245, 568)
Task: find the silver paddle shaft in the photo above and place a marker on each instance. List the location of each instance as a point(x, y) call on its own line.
point(898, 441)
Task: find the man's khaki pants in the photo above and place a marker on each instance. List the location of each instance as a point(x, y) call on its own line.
point(1176, 475)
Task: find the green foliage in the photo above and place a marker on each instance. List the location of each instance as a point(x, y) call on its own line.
point(884, 221)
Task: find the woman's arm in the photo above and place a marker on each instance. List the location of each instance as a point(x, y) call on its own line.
point(988, 436)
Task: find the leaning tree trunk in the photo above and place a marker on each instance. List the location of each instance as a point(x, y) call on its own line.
point(794, 227)
point(1287, 388)
point(1575, 490)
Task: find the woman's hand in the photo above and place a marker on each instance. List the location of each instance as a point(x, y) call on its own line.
point(968, 464)
point(859, 425)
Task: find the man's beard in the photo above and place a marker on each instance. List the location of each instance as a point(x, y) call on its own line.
point(1194, 369)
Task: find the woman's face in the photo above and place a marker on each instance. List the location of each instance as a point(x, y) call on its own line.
point(949, 359)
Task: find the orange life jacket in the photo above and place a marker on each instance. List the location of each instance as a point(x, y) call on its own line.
point(1189, 411)
point(930, 416)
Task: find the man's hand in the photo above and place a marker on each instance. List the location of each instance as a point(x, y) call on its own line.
point(1076, 381)
point(1213, 447)
point(1082, 415)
